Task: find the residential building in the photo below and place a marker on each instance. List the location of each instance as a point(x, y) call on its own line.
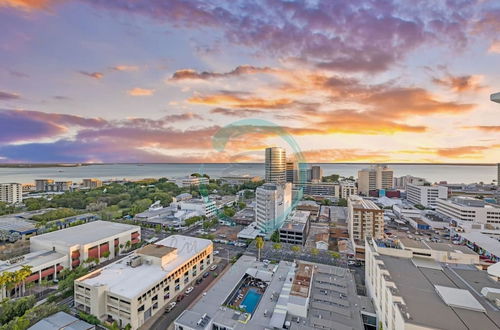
point(295, 228)
point(192, 181)
point(133, 289)
point(365, 219)
point(375, 178)
point(275, 165)
point(91, 183)
point(347, 188)
point(311, 206)
point(61, 321)
point(289, 295)
point(96, 239)
point(413, 290)
point(273, 204)
point(316, 173)
point(319, 188)
point(291, 171)
point(468, 209)
point(42, 184)
point(426, 196)
point(402, 182)
point(11, 193)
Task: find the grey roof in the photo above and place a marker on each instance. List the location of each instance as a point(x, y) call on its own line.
point(61, 321)
point(13, 223)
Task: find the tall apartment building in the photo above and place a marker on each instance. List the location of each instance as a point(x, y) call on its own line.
point(404, 181)
point(273, 204)
point(316, 173)
point(469, 210)
point(347, 188)
point(375, 178)
point(11, 193)
point(365, 219)
point(91, 183)
point(133, 289)
point(275, 165)
point(425, 195)
point(42, 184)
point(291, 171)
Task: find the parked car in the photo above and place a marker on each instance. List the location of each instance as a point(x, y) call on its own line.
point(180, 297)
point(189, 290)
point(170, 307)
point(351, 263)
point(216, 252)
point(213, 267)
point(198, 281)
point(206, 275)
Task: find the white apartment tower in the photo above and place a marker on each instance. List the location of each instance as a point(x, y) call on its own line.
point(275, 165)
point(273, 204)
point(375, 178)
point(426, 196)
point(11, 193)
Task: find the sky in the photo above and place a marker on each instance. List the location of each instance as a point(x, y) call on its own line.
point(102, 81)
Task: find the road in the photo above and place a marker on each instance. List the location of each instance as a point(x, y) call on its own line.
point(166, 319)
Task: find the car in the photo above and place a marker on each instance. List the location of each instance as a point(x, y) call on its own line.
point(213, 267)
point(206, 274)
point(180, 297)
point(189, 290)
point(216, 252)
point(198, 281)
point(351, 263)
point(169, 308)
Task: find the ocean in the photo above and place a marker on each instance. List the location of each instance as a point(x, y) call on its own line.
point(432, 172)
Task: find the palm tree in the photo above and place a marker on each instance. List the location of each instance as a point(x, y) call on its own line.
point(259, 243)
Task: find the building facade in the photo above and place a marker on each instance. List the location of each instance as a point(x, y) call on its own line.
point(91, 183)
point(316, 173)
point(402, 182)
point(375, 178)
point(275, 165)
point(426, 196)
point(11, 193)
point(469, 210)
point(273, 204)
point(347, 188)
point(133, 289)
point(365, 219)
point(296, 228)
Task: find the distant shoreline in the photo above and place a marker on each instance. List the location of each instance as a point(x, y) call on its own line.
point(45, 165)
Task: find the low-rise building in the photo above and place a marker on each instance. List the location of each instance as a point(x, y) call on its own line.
point(61, 321)
point(239, 180)
point(413, 290)
point(319, 188)
point(91, 183)
point(11, 193)
point(202, 206)
point(96, 240)
point(471, 210)
point(245, 216)
point(348, 188)
point(192, 181)
point(311, 206)
point(295, 228)
point(425, 195)
point(133, 289)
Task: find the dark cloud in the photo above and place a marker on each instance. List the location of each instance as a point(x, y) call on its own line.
point(95, 75)
point(7, 96)
point(238, 71)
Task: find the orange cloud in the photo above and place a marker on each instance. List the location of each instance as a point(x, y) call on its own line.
point(486, 128)
point(238, 71)
point(494, 47)
point(240, 102)
point(464, 83)
point(345, 155)
point(137, 91)
point(26, 4)
point(95, 75)
point(125, 68)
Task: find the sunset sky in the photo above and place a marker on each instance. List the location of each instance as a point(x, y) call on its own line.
point(173, 81)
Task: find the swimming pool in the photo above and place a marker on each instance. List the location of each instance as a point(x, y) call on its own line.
point(252, 298)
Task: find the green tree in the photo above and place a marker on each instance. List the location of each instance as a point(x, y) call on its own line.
point(277, 246)
point(314, 251)
point(342, 202)
point(259, 244)
point(295, 248)
point(275, 237)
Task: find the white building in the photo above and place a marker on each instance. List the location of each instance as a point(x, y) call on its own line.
point(414, 290)
point(275, 164)
point(273, 204)
point(11, 193)
point(402, 182)
point(202, 206)
point(426, 196)
point(348, 188)
point(138, 286)
point(91, 240)
point(375, 178)
point(192, 181)
point(471, 210)
point(365, 219)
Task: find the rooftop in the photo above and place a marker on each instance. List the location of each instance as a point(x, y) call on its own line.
point(13, 223)
point(447, 247)
point(418, 286)
point(362, 203)
point(482, 240)
point(129, 282)
point(86, 233)
point(33, 259)
point(61, 321)
point(155, 250)
point(296, 221)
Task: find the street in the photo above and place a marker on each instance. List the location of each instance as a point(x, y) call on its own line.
point(166, 319)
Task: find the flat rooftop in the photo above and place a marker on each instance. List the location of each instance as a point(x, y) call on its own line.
point(482, 240)
point(447, 247)
point(362, 203)
point(417, 287)
point(128, 282)
point(33, 259)
point(13, 223)
point(86, 233)
point(155, 250)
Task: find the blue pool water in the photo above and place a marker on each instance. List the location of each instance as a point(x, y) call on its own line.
point(249, 304)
